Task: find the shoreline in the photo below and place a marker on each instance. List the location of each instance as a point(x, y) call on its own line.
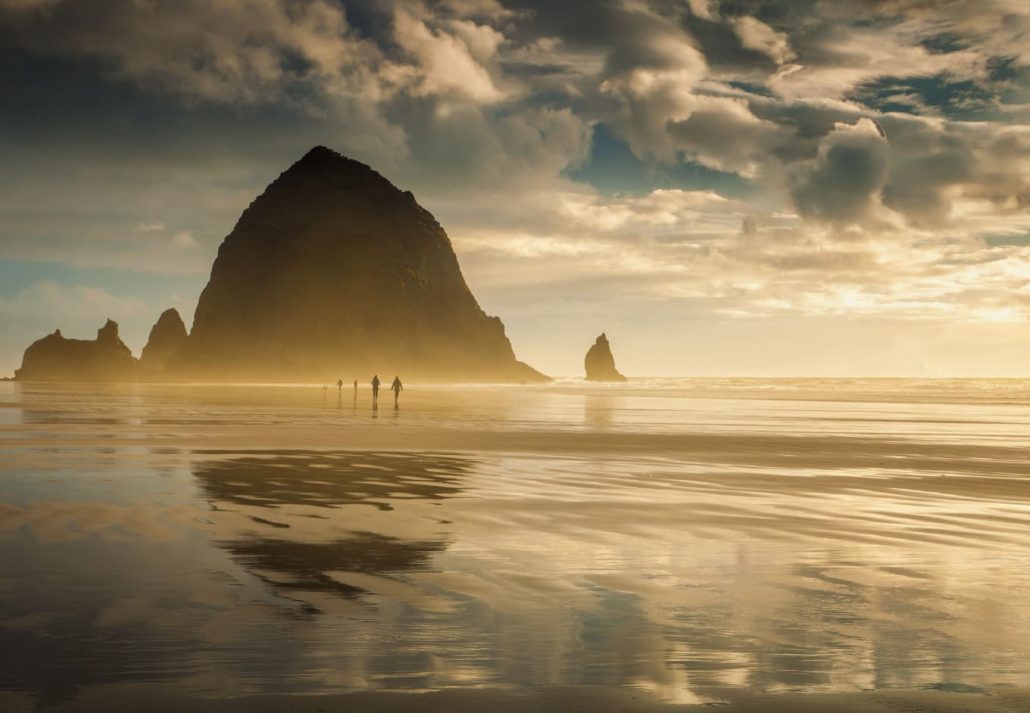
point(563, 700)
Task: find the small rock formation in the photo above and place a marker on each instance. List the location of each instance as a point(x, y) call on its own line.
point(55, 358)
point(166, 338)
point(334, 270)
point(599, 362)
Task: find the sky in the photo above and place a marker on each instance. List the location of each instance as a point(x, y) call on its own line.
point(724, 187)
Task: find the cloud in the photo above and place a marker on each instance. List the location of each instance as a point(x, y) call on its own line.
point(722, 133)
point(848, 57)
point(756, 35)
point(936, 166)
point(703, 8)
point(184, 239)
point(843, 183)
point(648, 79)
point(998, 26)
point(450, 64)
point(236, 51)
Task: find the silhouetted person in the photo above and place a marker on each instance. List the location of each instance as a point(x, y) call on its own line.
point(355, 388)
point(339, 386)
point(396, 387)
point(375, 389)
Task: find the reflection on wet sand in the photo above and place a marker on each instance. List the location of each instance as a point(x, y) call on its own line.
point(670, 576)
point(90, 611)
point(287, 493)
point(329, 479)
point(770, 561)
point(599, 410)
point(308, 564)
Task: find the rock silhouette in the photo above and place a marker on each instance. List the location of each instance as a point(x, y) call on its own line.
point(167, 337)
point(56, 358)
point(333, 269)
point(599, 362)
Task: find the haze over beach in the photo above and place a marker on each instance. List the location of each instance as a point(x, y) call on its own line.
point(506, 355)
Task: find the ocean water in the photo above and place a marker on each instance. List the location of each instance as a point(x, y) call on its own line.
point(681, 536)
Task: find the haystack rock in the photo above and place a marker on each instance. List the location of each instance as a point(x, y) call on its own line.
point(55, 358)
point(334, 272)
point(599, 362)
point(167, 337)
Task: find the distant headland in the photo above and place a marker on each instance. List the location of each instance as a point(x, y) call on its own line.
point(332, 271)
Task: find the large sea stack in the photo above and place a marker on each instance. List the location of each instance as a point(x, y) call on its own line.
point(56, 358)
point(599, 362)
point(334, 272)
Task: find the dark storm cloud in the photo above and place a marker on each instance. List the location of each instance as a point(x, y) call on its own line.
point(843, 182)
point(930, 162)
point(724, 50)
point(579, 23)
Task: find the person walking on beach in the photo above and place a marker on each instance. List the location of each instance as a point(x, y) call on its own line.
point(339, 386)
point(375, 389)
point(396, 387)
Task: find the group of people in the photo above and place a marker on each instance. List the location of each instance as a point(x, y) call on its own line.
point(396, 387)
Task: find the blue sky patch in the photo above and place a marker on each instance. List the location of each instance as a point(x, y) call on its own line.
point(613, 168)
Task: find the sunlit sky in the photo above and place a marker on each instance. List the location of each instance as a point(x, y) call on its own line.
point(747, 187)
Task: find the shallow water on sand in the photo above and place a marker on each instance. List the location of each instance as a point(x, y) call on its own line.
point(680, 536)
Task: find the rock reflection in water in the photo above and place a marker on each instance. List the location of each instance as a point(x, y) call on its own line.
point(331, 479)
point(290, 488)
point(308, 564)
point(146, 588)
point(317, 570)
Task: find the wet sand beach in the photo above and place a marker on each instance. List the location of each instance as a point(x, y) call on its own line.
point(664, 545)
point(551, 701)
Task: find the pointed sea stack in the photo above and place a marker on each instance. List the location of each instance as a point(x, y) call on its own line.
point(55, 358)
point(167, 337)
point(599, 362)
point(334, 271)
